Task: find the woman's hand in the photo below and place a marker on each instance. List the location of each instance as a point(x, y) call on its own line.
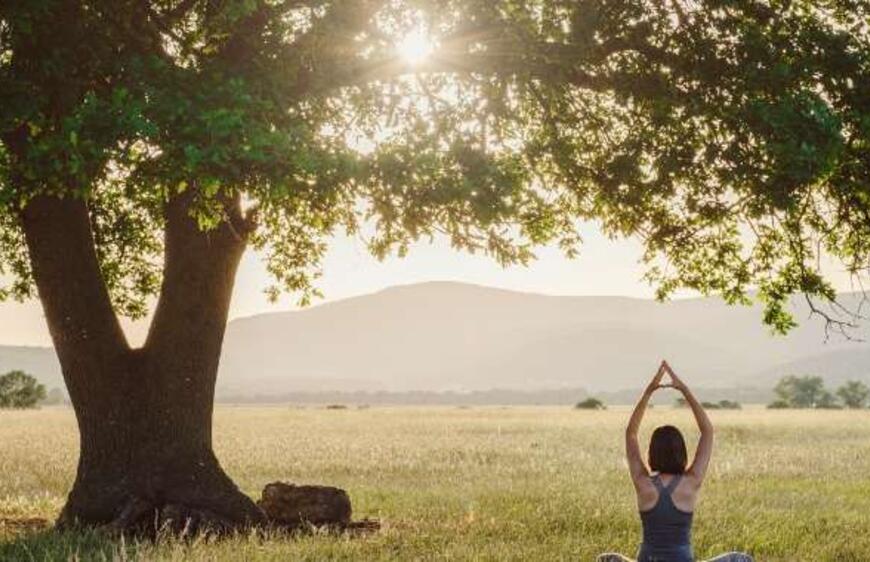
point(656, 381)
point(676, 382)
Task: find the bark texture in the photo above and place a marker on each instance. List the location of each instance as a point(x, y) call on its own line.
point(144, 415)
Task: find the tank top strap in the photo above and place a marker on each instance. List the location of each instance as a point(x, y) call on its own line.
point(657, 482)
point(666, 489)
point(672, 485)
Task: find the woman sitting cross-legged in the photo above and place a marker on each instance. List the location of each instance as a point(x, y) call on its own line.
point(668, 490)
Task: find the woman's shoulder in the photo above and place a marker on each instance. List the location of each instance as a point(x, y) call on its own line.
point(691, 480)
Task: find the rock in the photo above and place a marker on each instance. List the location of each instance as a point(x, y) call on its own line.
point(289, 505)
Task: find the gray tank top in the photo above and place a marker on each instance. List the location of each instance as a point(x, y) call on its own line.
point(667, 530)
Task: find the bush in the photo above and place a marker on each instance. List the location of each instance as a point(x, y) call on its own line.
point(19, 390)
point(729, 405)
point(590, 404)
point(720, 405)
point(778, 405)
point(336, 407)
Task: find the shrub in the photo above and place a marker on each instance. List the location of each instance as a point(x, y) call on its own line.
point(720, 405)
point(590, 404)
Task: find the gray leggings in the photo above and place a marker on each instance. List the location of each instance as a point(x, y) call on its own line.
point(729, 557)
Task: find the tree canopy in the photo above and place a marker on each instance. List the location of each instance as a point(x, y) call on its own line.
point(731, 137)
point(854, 394)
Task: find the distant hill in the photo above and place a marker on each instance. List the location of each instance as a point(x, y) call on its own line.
point(451, 336)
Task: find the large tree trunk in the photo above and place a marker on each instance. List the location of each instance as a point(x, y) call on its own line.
point(144, 415)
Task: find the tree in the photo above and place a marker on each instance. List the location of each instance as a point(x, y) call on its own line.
point(145, 145)
point(828, 402)
point(803, 392)
point(20, 390)
point(590, 404)
point(854, 394)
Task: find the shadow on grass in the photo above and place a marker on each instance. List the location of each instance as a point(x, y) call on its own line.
point(47, 544)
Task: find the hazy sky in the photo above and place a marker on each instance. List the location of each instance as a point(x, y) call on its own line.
point(605, 267)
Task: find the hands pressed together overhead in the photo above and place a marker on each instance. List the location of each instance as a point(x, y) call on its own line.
point(656, 382)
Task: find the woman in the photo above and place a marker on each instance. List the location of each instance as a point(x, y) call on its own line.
point(668, 490)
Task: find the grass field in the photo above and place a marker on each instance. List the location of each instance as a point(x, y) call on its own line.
point(482, 483)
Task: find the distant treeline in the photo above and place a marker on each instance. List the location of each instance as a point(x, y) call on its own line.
point(494, 397)
point(810, 392)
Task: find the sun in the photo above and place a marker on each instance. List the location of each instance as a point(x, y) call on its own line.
point(416, 46)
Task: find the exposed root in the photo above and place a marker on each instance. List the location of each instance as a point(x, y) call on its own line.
point(147, 519)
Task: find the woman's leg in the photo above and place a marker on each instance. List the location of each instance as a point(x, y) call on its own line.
point(612, 557)
point(732, 557)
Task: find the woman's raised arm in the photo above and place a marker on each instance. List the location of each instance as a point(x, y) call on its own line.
point(636, 466)
point(698, 468)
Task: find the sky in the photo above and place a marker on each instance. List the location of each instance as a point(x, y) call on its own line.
point(604, 267)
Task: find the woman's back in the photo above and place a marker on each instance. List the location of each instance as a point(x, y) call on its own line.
point(667, 530)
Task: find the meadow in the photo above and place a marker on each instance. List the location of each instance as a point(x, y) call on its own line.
point(518, 483)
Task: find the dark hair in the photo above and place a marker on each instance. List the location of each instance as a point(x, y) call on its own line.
point(667, 451)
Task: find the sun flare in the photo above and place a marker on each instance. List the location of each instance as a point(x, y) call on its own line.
point(416, 46)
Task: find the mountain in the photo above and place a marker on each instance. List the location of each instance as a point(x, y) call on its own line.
point(451, 336)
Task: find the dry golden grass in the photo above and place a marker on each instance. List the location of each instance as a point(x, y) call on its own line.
point(482, 483)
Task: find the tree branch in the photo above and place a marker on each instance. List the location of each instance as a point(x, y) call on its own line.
point(74, 296)
point(198, 276)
